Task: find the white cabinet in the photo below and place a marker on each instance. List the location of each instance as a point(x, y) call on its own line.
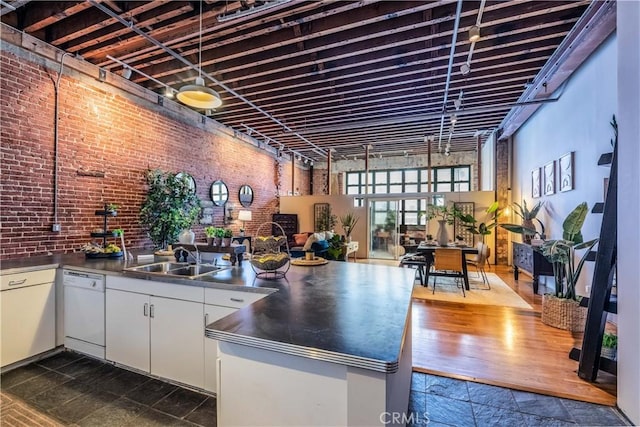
point(156, 334)
point(127, 329)
point(177, 345)
point(211, 314)
point(218, 304)
point(28, 315)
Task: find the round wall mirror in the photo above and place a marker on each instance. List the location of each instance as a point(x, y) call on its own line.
point(219, 193)
point(245, 194)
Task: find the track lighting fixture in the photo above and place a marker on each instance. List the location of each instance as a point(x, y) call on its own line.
point(474, 34)
point(465, 68)
point(126, 73)
point(454, 119)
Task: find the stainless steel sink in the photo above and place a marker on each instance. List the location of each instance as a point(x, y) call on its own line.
point(175, 269)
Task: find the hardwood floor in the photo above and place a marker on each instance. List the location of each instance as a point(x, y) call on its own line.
point(502, 346)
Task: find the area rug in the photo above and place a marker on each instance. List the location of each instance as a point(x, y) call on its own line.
point(446, 290)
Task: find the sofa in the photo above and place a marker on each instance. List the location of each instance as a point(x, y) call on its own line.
point(317, 242)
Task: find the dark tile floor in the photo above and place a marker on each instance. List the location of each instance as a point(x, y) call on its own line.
point(79, 391)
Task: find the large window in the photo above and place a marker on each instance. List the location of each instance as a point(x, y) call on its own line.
point(444, 179)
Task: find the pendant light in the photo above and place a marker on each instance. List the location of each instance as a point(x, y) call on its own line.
point(198, 95)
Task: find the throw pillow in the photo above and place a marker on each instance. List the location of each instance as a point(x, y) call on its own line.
point(300, 239)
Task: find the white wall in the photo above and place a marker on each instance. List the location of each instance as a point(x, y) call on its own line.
point(488, 169)
point(628, 22)
point(578, 122)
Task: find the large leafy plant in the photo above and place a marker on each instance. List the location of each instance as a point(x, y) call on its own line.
point(170, 207)
point(443, 213)
point(527, 228)
point(562, 253)
point(482, 228)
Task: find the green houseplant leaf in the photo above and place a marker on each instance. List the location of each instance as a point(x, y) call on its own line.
point(573, 223)
point(169, 207)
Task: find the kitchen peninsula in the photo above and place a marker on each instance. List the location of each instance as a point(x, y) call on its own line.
point(331, 346)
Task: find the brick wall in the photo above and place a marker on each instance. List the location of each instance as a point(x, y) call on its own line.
point(107, 139)
point(502, 196)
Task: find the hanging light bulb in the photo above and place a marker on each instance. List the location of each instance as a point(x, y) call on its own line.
point(474, 33)
point(198, 95)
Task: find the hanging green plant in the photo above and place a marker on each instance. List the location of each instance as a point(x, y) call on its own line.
point(170, 207)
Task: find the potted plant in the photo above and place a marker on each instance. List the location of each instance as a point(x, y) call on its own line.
point(609, 346)
point(445, 215)
point(348, 222)
point(227, 234)
point(219, 234)
point(169, 207)
point(528, 228)
point(112, 209)
point(562, 309)
point(483, 229)
point(210, 233)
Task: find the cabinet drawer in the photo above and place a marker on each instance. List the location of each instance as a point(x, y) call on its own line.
point(237, 299)
point(161, 289)
point(11, 281)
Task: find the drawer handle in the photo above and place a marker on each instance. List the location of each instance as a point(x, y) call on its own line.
point(16, 283)
point(237, 299)
point(151, 311)
point(144, 310)
point(206, 319)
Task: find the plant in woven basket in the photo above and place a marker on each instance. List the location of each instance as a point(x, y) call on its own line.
point(562, 309)
point(561, 253)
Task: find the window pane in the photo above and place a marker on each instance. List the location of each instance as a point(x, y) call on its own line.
point(411, 205)
point(381, 189)
point(444, 175)
point(353, 190)
point(411, 188)
point(395, 189)
point(357, 202)
point(411, 218)
point(379, 218)
point(381, 177)
point(463, 186)
point(462, 174)
point(443, 187)
point(395, 177)
point(410, 176)
point(352, 178)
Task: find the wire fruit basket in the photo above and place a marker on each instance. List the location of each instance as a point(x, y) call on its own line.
point(270, 257)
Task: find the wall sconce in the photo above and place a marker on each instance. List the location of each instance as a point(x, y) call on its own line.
point(228, 215)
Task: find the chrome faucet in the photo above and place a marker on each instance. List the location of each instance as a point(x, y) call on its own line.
point(195, 256)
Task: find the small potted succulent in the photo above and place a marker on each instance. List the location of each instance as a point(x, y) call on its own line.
point(210, 233)
point(226, 237)
point(217, 241)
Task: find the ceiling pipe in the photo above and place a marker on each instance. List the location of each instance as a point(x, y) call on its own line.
point(56, 113)
point(180, 58)
point(423, 117)
point(454, 40)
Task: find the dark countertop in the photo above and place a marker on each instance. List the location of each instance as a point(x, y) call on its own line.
point(341, 312)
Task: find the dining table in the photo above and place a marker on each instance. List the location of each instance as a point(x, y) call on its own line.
point(427, 249)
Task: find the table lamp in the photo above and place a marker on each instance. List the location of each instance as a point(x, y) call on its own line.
point(244, 215)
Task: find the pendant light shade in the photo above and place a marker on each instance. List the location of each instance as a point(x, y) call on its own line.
point(199, 96)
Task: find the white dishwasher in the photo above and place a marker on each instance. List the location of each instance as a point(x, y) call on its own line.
point(84, 312)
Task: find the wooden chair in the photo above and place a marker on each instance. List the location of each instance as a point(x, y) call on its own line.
point(479, 261)
point(419, 262)
point(449, 260)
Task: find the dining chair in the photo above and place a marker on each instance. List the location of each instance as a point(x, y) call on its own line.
point(449, 260)
point(479, 261)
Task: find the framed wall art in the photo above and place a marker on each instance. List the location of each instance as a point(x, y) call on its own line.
point(550, 178)
point(565, 172)
point(535, 183)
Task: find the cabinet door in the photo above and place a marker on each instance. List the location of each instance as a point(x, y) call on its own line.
point(177, 344)
point(127, 328)
point(211, 314)
point(28, 322)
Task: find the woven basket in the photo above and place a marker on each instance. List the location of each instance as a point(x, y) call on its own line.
point(563, 313)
